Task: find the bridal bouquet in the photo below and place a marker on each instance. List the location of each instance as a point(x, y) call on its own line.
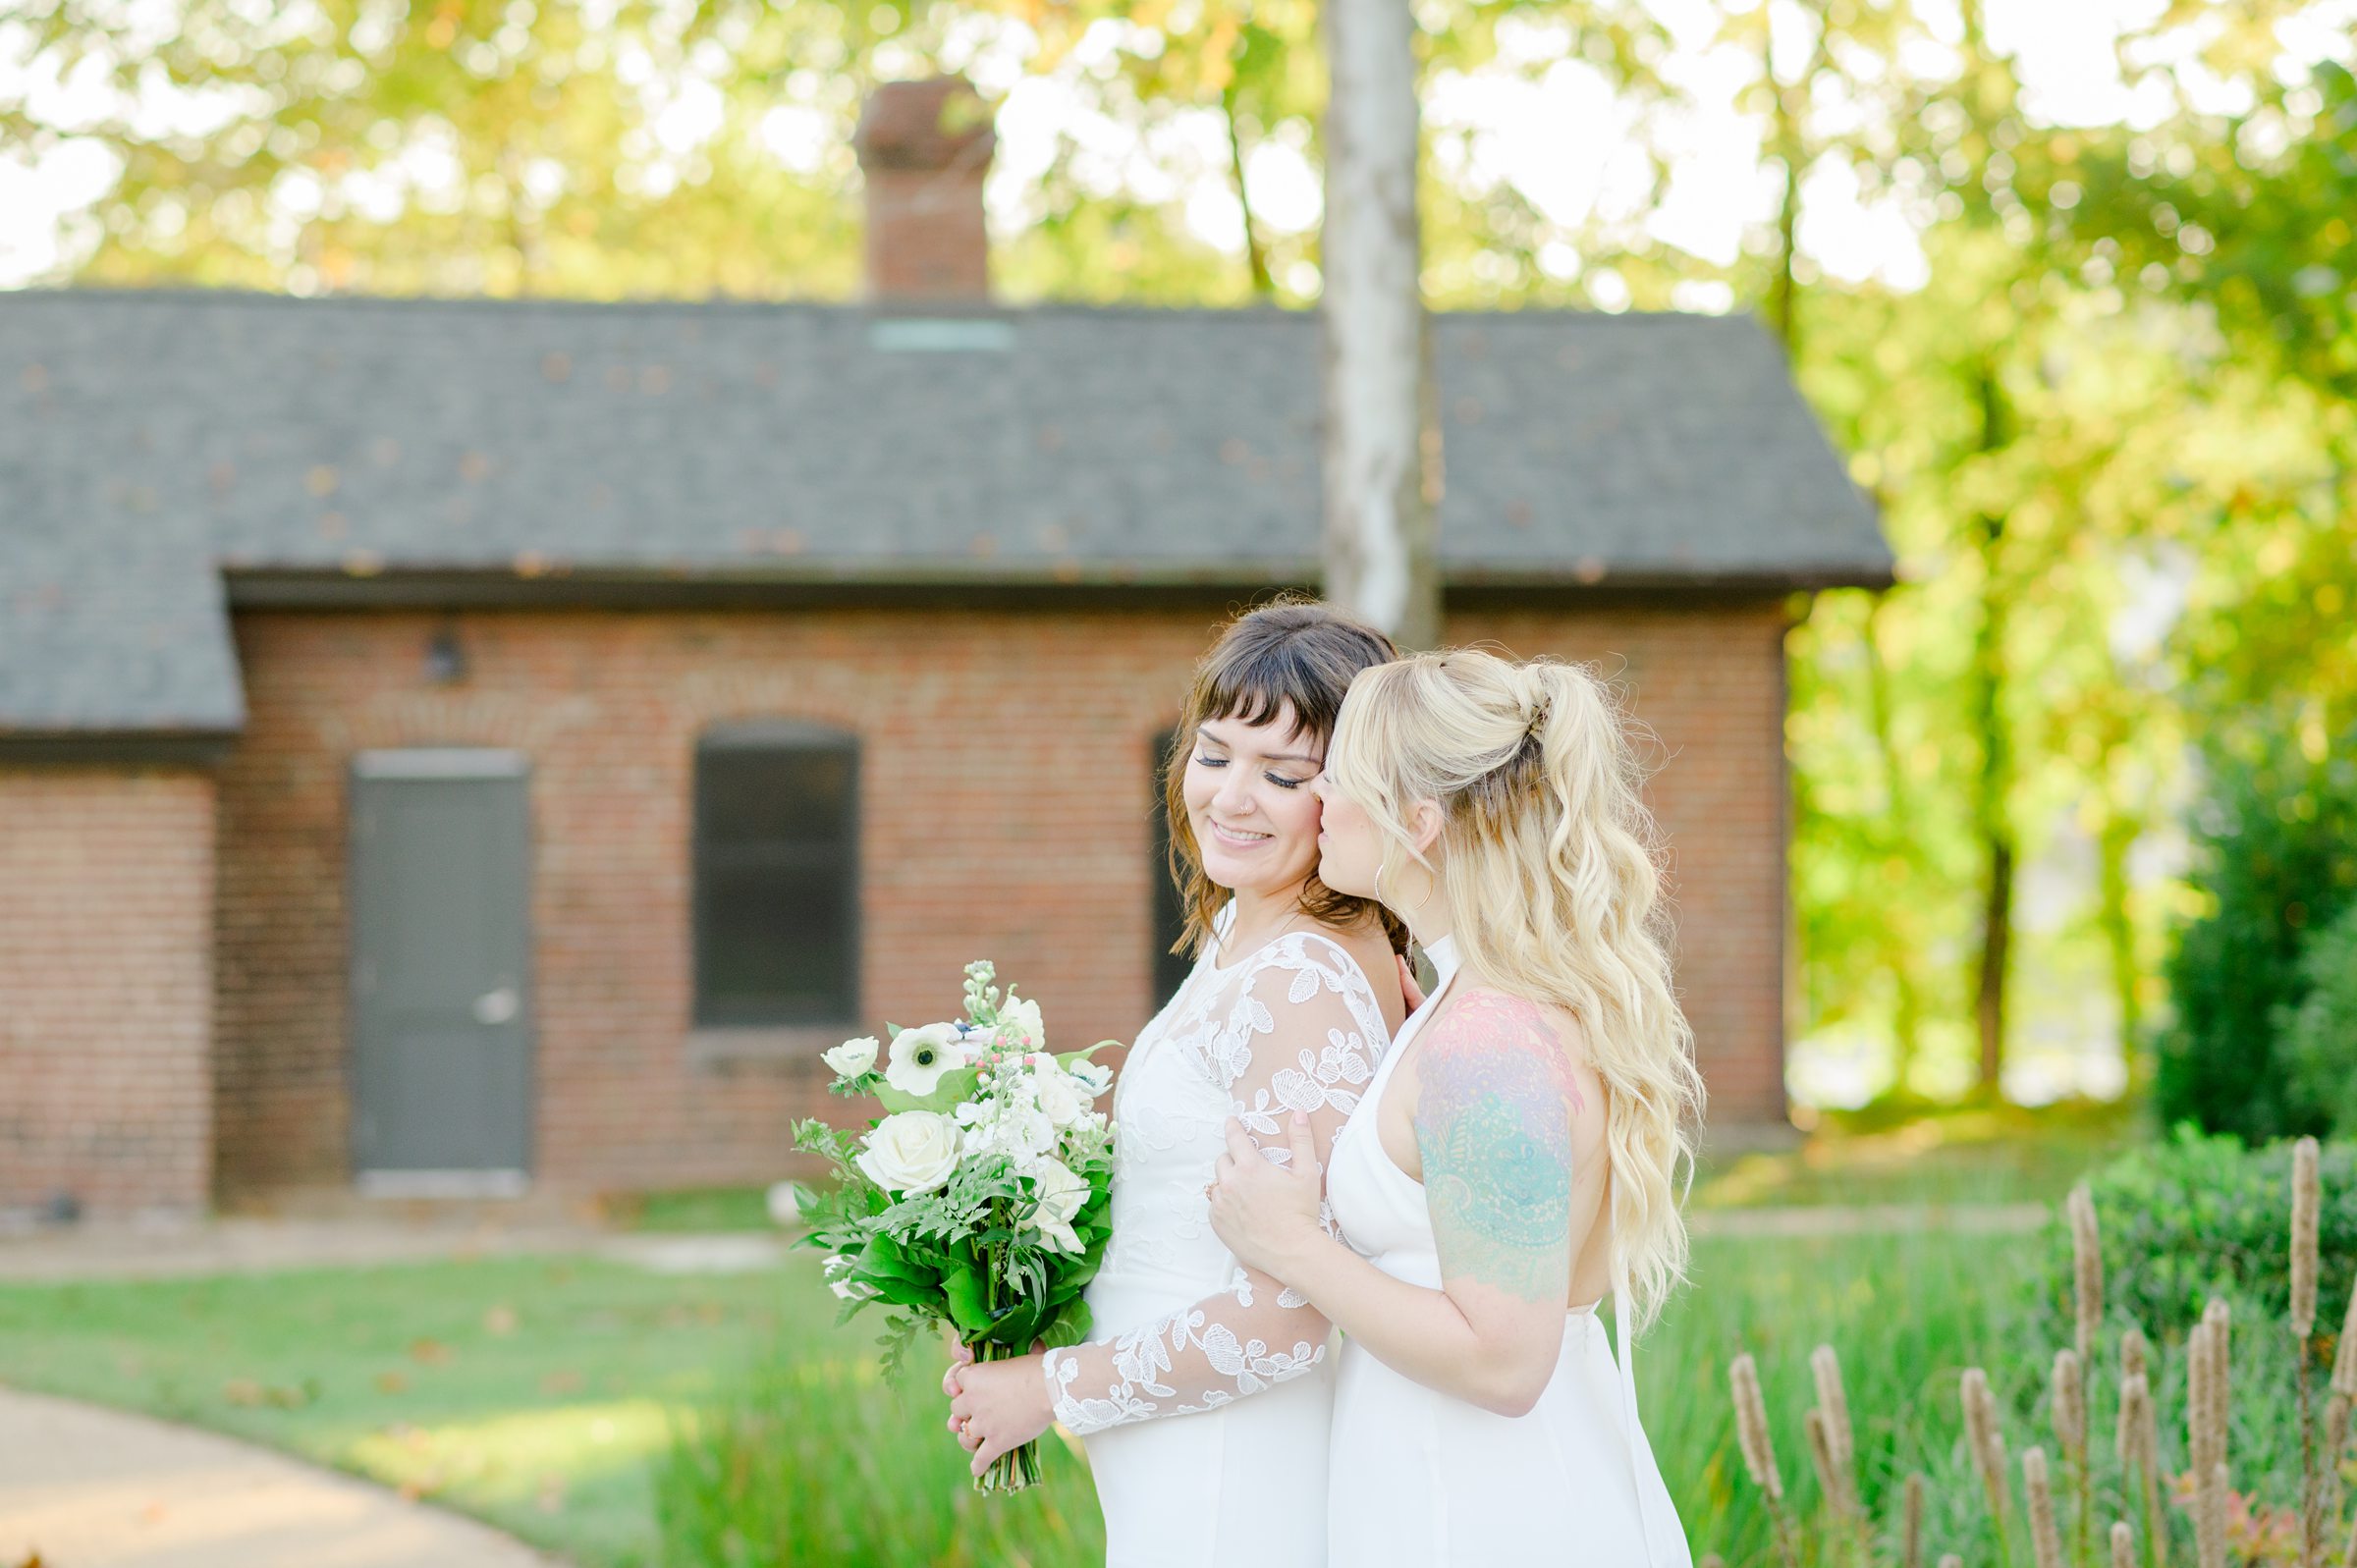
point(979, 1198)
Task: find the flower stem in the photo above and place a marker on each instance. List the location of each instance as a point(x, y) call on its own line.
point(1017, 1468)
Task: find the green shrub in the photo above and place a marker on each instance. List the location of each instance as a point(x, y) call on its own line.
point(2198, 1216)
point(2319, 1036)
point(2279, 862)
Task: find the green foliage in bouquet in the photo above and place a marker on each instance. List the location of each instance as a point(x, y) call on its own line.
point(2200, 1217)
point(955, 1256)
point(980, 1200)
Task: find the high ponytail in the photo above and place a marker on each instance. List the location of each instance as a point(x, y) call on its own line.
point(1553, 874)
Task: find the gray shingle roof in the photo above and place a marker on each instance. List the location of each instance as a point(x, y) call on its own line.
point(151, 441)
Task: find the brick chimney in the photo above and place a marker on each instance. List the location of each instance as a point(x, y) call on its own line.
point(924, 147)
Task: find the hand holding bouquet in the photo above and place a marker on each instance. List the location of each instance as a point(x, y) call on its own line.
point(979, 1198)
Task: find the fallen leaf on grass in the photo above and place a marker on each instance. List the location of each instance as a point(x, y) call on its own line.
point(419, 1487)
point(392, 1383)
point(565, 1381)
point(248, 1392)
point(431, 1353)
point(500, 1320)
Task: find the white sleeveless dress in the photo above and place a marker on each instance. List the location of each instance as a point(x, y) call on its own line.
point(1205, 1403)
point(1422, 1480)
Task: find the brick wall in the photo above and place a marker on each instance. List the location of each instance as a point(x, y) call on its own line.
point(106, 903)
point(1003, 775)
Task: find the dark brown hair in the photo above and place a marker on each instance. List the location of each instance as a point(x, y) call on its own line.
point(1294, 651)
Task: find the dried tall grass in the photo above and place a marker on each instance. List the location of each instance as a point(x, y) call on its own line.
point(2205, 1485)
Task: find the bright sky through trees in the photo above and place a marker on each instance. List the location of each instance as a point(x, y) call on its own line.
point(2087, 333)
point(1563, 142)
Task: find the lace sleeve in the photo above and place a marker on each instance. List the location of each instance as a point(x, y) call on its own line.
point(1301, 1033)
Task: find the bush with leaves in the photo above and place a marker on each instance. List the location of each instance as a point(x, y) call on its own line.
point(2319, 1036)
point(2200, 1217)
point(2279, 841)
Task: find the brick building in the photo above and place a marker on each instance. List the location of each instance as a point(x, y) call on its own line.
point(449, 744)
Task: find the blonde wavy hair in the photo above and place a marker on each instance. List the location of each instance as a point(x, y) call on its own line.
point(1553, 872)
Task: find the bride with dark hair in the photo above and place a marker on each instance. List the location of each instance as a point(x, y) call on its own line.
point(1205, 1403)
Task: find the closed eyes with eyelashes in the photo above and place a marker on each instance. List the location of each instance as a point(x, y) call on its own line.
point(1277, 779)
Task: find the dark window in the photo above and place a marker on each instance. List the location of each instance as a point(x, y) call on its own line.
point(776, 876)
point(1170, 920)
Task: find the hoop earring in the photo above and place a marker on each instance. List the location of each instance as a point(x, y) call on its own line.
point(1431, 885)
point(1383, 867)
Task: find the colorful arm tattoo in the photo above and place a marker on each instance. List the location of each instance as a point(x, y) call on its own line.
point(1494, 1127)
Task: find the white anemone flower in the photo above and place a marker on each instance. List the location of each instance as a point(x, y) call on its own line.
point(920, 1056)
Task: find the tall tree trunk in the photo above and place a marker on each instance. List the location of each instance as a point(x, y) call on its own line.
point(1898, 840)
point(1255, 257)
point(2119, 833)
point(1992, 817)
point(1790, 101)
point(1381, 467)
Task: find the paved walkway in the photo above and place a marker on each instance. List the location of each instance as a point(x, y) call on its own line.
point(95, 1489)
point(241, 1245)
point(1873, 1219)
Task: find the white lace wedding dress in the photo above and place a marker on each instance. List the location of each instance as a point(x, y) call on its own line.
point(1205, 1402)
point(1422, 1480)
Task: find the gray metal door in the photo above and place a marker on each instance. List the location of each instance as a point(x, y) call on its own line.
point(441, 945)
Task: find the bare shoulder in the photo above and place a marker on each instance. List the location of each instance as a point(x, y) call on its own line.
point(1493, 1039)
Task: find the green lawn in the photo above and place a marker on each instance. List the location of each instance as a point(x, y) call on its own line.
point(532, 1393)
point(786, 1470)
point(704, 1210)
point(625, 1419)
point(1989, 1154)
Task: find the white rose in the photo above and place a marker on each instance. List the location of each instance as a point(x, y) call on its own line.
point(1061, 1096)
point(1019, 1024)
point(853, 1058)
point(920, 1056)
point(913, 1151)
point(1062, 1196)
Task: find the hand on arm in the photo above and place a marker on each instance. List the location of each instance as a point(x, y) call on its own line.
point(1496, 1103)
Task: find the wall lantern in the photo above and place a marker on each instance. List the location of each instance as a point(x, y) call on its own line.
point(445, 659)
